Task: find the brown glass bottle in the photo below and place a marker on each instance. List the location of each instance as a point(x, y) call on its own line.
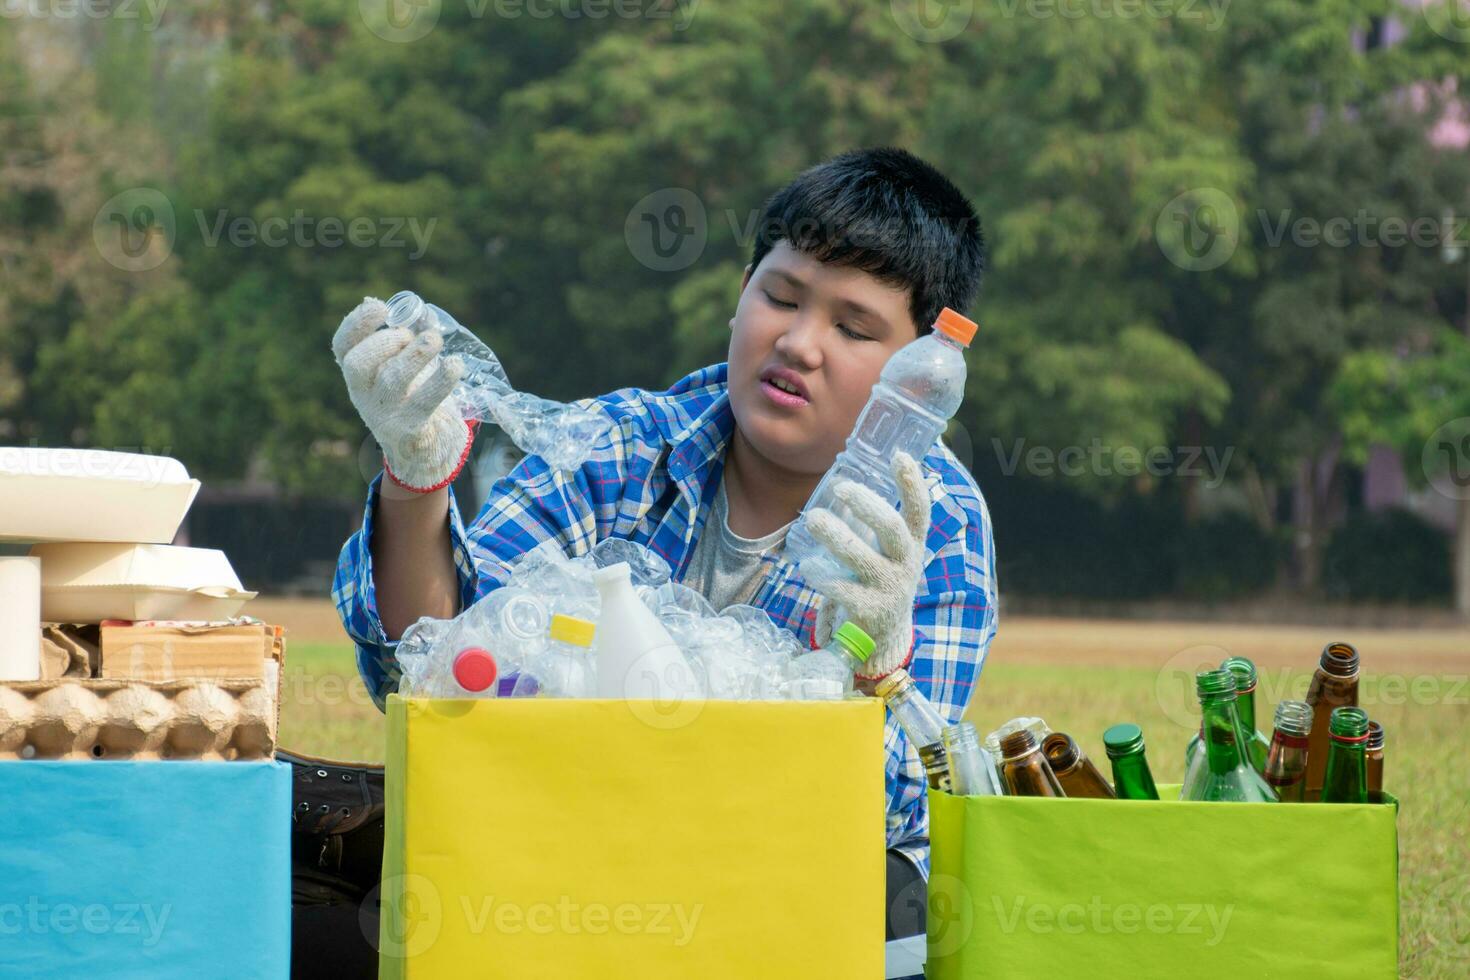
point(1286, 762)
point(1334, 685)
point(1024, 768)
point(1074, 771)
point(1375, 759)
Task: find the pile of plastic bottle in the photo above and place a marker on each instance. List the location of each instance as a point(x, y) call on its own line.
point(558, 623)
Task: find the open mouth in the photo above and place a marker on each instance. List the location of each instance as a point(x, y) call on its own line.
point(784, 388)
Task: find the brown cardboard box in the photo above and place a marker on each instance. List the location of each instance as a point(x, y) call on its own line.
point(166, 651)
point(68, 650)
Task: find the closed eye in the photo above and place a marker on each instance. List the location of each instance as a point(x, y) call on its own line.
point(852, 333)
point(778, 302)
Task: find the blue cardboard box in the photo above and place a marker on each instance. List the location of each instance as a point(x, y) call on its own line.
point(145, 869)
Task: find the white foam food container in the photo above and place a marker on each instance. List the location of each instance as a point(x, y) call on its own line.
point(91, 495)
point(89, 582)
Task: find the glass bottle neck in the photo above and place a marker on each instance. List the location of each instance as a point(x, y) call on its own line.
point(1245, 707)
point(1224, 737)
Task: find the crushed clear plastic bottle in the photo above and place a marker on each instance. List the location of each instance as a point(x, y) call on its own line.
point(567, 667)
point(507, 643)
point(918, 392)
point(837, 663)
point(561, 434)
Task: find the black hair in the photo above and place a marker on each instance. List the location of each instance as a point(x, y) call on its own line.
point(888, 213)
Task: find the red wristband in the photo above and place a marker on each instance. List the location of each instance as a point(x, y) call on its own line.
point(463, 457)
point(913, 643)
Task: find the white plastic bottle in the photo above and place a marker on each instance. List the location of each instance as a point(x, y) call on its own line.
point(636, 656)
point(918, 392)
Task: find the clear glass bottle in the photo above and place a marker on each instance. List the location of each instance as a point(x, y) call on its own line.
point(1024, 769)
point(1286, 762)
point(1223, 772)
point(971, 769)
point(1076, 773)
point(1132, 778)
point(920, 721)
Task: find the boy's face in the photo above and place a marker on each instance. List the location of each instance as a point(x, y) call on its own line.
point(824, 329)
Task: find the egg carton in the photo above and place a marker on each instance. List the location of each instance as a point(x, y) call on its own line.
point(75, 718)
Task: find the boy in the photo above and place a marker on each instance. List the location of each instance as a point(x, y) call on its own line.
point(855, 258)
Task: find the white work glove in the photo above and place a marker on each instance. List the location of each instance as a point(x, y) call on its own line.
point(401, 387)
point(881, 601)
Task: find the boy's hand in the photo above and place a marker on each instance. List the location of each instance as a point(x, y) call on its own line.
point(881, 601)
point(401, 387)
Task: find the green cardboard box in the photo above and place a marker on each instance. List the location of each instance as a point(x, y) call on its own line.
point(1032, 887)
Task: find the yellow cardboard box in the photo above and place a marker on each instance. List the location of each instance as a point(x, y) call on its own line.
point(591, 839)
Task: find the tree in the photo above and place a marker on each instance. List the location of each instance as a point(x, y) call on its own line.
point(1418, 403)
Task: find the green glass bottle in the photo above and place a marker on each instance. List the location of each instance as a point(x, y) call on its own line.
point(1132, 779)
point(1245, 706)
point(1223, 772)
point(1346, 778)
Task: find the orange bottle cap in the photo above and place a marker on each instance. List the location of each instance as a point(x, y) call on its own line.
point(956, 326)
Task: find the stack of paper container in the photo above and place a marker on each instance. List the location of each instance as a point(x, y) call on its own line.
point(127, 676)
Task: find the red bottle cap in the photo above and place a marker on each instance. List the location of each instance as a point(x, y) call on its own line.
point(474, 669)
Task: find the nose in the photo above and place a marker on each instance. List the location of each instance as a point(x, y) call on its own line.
point(801, 342)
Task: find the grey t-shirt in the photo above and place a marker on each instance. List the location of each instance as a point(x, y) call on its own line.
point(726, 568)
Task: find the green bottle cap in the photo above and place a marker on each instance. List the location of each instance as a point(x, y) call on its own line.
point(854, 641)
point(1124, 739)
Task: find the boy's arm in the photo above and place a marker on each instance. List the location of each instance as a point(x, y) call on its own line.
point(355, 590)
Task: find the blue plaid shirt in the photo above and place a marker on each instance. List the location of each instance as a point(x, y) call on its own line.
point(653, 481)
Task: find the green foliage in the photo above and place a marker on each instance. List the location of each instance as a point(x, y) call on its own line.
point(508, 155)
point(1401, 399)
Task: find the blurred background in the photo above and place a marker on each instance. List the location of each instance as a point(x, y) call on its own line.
point(1224, 350)
point(1220, 402)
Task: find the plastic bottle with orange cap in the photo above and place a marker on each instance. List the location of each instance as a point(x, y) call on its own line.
point(918, 392)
